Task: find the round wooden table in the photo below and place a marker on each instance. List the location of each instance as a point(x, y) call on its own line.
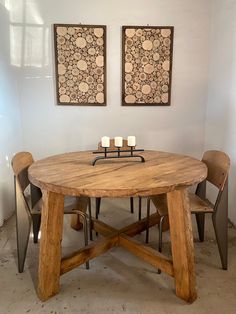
point(73, 174)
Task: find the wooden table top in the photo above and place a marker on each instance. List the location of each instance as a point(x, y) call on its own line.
point(73, 174)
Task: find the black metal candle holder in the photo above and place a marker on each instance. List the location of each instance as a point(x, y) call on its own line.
point(129, 153)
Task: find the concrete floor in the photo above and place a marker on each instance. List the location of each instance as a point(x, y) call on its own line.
point(117, 281)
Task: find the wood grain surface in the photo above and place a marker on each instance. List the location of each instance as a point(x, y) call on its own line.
point(73, 174)
point(182, 245)
point(80, 64)
point(50, 245)
point(147, 65)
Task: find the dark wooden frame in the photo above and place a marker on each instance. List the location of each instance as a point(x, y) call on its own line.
point(123, 65)
point(56, 63)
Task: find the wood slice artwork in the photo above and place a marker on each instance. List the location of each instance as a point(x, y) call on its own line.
point(80, 63)
point(146, 65)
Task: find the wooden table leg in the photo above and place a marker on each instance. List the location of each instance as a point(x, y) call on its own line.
point(182, 245)
point(50, 245)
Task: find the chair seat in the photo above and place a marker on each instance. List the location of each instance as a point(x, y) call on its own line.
point(160, 202)
point(218, 164)
point(28, 200)
point(198, 205)
point(69, 207)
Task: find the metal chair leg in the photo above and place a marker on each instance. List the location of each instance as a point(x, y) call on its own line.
point(36, 219)
point(160, 238)
point(200, 218)
point(160, 234)
point(98, 205)
point(148, 215)
point(85, 228)
point(139, 207)
point(23, 226)
point(132, 205)
point(221, 232)
point(36, 195)
point(90, 220)
point(85, 224)
point(220, 223)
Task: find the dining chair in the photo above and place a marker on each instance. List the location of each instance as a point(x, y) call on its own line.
point(218, 164)
point(98, 199)
point(28, 203)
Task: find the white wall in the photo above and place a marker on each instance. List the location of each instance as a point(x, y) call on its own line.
point(221, 107)
point(10, 128)
point(26, 60)
point(50, 129)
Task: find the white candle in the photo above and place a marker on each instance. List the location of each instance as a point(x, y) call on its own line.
point(105, 141)
point(118, 141)
point(131, 141)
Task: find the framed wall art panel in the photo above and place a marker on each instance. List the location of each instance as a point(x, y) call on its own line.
point(146, 65)
point(80, 64)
